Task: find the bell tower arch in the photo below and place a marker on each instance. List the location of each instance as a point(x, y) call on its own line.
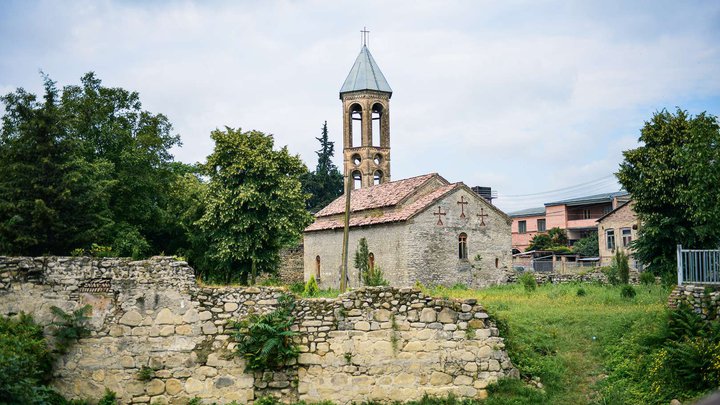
point(365, 96)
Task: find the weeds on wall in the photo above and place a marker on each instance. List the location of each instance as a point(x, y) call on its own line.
point(266, 341)
point(68, 328)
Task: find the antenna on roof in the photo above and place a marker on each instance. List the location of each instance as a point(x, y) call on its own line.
point(365, 36)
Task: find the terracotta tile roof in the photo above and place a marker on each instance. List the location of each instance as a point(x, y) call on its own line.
point(401, 214)
point(381, 195)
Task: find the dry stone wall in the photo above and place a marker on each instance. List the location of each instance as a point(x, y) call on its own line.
point(372, 343)
point(705, 300)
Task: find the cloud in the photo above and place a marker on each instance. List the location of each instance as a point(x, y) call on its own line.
point(524, 98)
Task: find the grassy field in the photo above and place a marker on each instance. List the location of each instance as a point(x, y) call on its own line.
point(562, 337)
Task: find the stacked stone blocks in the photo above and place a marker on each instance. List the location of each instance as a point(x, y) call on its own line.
point(372, 343)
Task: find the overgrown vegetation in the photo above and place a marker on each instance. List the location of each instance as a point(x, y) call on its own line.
point(68, 328)
point(265, 341)
point(527, 279)
point(370, 274)
point(555, 240)
point(587, 246)
point(562, 338)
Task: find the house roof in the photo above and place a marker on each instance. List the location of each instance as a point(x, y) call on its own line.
point(613, 211)
point(403, 214)
point(400, 191)
point(365, 75)
point(378, 196)
point(591, 199)
point(530, 212)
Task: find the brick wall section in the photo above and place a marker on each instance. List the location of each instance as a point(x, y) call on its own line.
point(703, 300)
point(373, 343)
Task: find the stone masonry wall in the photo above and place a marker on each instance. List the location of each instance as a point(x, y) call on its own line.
point(704, 300)
point(372, 343)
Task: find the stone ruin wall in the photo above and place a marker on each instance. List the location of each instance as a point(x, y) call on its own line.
point(378, 343)
point(705, 300)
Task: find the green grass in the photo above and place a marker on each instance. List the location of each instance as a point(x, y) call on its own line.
point(562, 338)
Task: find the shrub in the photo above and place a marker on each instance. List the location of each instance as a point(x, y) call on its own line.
point(110, 398)
point(311, 288)
point(620, 262)
point(266, 341)
point(129, 242)
point(25, 361)
point(100, 251)
point(627, 291)
point(581, 292)
point(146, 373)
point(68, 328)
point(297, 288)
point(374, 277)
point(612, 274)
point(647, 278)
point(528, 281)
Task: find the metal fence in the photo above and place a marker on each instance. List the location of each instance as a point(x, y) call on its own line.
point(698, 266)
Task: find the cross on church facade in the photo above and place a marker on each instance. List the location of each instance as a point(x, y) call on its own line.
point(462, 204)
point(439, 214)
point(482, 216)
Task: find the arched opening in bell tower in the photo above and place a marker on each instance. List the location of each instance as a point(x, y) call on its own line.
point(357, 179)
point(377, 117)
point(355, 125)
point(377, 177)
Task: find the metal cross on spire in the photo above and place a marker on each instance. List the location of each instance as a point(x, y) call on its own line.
point(365, 35)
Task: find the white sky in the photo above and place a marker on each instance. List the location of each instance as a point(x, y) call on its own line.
point(524, 97)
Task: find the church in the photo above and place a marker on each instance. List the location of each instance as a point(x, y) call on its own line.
point(421, 229)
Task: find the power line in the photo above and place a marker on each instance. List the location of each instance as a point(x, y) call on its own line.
point(560, 190)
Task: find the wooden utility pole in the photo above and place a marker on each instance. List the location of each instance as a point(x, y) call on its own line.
point(346, 235)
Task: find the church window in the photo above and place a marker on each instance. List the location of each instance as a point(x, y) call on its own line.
point(497, 262)
point(357, 179)
point(377, 159)
point(356, 159)
point(317, 267)
point(522, 226)
point(462, 246)
point(355, 125)
point(371, 261)
point(377, 177)
point(377, 115)
point(610, 239)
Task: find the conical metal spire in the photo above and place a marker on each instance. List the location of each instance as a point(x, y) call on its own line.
point(365, 75)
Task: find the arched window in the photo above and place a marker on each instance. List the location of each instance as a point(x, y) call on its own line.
point(355, 125)
point(378, 177)
point(371, 261)
point(377, 116)
point(357, 179)
point(497, 262)
point(462, 246)
point(317, 267)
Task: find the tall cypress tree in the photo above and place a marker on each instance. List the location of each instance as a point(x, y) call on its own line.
point(325, 183)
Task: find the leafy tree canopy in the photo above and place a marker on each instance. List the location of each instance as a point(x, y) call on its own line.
point(554, 239)
point(587, 246)
point(673, 180)
point(254, 204)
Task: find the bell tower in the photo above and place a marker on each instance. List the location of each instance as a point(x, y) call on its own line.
point(366, 122)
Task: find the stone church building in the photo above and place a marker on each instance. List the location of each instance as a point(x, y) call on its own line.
point(421, 229)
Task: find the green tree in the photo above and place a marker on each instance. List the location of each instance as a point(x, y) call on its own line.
point(587, 246)
point(114, 128)
point(324, 184)
point(554, 239)
point(254, 204)
point(51, 197)
point(673, 178)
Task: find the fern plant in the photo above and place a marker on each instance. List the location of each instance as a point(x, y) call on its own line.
point(67, 328)
point(266, 341)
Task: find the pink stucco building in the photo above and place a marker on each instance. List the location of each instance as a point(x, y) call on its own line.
point(577, 216)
